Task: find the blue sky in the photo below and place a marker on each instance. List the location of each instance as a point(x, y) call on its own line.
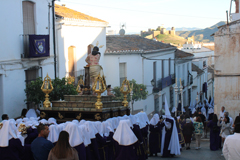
point(143, 14)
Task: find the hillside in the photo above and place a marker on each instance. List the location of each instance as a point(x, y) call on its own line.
point(171, 39)
point(202, 35)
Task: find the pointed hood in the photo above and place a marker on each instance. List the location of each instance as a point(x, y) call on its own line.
point(167, 112)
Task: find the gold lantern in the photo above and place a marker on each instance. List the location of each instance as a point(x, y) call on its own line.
point(80, 82)
point(99, 87)
point(125, 89)
point(70, 80)
point(47, 88)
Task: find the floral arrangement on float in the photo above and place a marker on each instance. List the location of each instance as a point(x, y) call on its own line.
point(22, 128)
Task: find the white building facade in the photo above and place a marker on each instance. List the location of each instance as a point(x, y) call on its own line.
point(75, 33)
point(16, 68)
point(143, 60)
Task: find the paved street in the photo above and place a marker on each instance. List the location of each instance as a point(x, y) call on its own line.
point(203, 154)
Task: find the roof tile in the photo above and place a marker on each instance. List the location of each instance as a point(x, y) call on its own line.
point(133, 43)
point(65, 12)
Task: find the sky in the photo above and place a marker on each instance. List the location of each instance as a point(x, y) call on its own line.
point(144, 14)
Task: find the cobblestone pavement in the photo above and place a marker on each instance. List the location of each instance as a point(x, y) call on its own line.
point(202, 154)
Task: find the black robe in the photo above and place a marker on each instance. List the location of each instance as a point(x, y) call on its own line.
point(14, 151)
point(168, 135)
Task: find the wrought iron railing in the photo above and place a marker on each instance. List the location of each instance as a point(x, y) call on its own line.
point(76, 75)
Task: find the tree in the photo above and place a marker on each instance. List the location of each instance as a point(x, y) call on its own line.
point(139, 92)
point(33, 91)
point(60, 88)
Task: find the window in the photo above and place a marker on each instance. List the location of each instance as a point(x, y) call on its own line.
point(156, 105)
point(155, 73)
point(189, 96)
point(171, 97)
point(162, 68)
point(28, 24)
point(122, 72)
point(184, 74)
point(169, 66)
point(28, 17)
point(31, 75)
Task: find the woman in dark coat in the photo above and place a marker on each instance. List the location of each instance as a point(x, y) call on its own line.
point(214, 133)
point(187, 132)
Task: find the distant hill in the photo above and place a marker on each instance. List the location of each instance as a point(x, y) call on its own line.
point(202, 35)
point(184, 29)
point(174, 39)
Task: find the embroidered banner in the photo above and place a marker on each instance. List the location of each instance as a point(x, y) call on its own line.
point(167, 81)
point(38, 46)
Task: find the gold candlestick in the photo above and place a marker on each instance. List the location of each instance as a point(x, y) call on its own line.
point(125, 89)
point(99, 87)
point(47, 88)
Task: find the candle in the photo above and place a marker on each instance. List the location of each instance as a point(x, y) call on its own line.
point(175, 80)
point(180, 82)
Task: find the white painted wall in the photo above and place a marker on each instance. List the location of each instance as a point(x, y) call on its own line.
point(141, 70)
point(12, 67)
point(79, 37)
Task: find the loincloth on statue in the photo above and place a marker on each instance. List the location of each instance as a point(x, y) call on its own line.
point(95, 70)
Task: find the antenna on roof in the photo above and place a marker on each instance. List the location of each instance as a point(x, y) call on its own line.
point(122, 28)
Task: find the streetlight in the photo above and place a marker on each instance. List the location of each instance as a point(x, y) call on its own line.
point(153, 82)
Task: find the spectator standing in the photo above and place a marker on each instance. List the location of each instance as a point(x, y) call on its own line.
point(198, 126)
point(63, 150)
point(226, 114)
point(188, 130)
point(214, 133)
point(231, 147)
point(225, 128)
point(41, 146)
point(221, 115)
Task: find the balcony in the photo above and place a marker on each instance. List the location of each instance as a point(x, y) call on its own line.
point(35, 46)
point(164, 82)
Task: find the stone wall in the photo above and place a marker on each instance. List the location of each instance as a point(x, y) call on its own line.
point(227, 69)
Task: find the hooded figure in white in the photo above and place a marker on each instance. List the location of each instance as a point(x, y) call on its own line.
point(10, 145)
point(173, 145)
point(76, 139)
point(126, 142)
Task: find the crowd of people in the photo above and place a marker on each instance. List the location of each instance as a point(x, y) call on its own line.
point(131, 137)
point(118, 138)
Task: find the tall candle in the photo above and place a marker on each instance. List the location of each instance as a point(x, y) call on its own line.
point(180, 82)
point(175, 80)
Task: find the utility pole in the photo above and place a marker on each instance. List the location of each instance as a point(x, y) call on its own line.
point(54, 40)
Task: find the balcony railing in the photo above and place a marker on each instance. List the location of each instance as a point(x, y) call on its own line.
point(164, 82)
point(25, 38)
point(76, 75)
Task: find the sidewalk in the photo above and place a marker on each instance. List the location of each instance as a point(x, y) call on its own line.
point(202, 154)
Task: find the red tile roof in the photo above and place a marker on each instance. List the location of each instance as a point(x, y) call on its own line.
point(129, 43)
point(65, 12)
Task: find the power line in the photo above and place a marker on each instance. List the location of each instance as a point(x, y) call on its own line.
point(141, 11)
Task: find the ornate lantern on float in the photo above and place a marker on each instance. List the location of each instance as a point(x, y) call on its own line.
point(125, 89)
point(47, 88)
point(99, 87)
point(80, 82)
